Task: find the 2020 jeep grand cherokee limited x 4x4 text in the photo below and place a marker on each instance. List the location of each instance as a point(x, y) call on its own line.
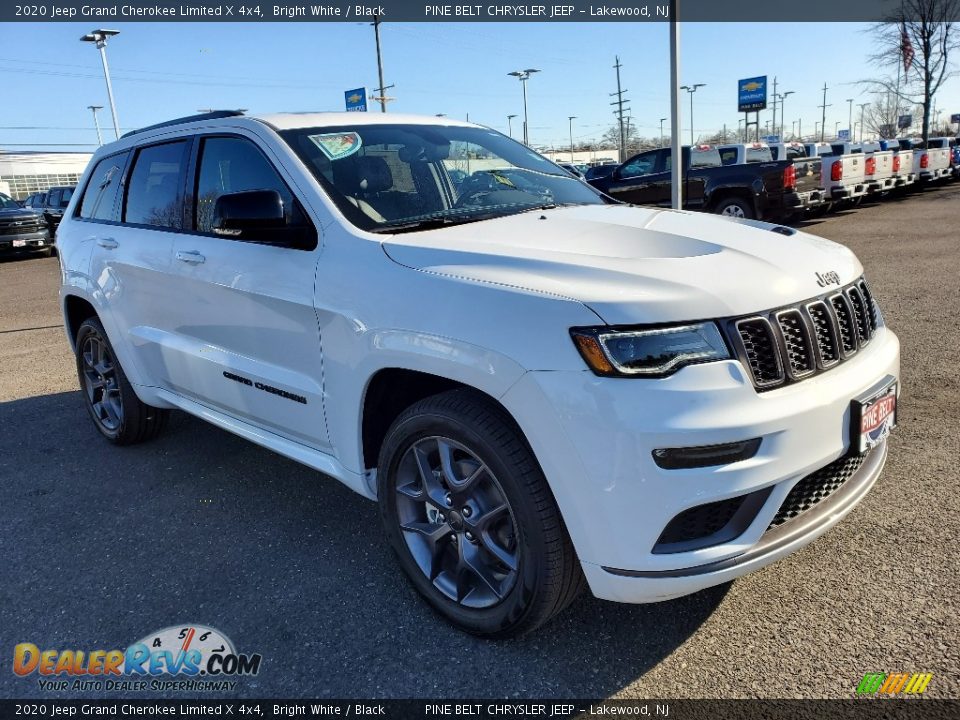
point(541, 387)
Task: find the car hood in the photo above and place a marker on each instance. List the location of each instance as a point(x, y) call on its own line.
point(18, 214)
point(634, 265)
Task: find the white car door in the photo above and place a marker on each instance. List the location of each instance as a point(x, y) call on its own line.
point(134, 202)
point(243, 329)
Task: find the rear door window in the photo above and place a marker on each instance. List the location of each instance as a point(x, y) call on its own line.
point(103, 189)
point(154, 194)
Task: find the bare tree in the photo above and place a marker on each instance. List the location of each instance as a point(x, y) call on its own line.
point(920, 38)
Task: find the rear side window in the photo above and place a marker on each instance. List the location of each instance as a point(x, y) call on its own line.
point(55, 198)
point(153, 192)
point(728, 156)
point(100, 197)
point(65, 196)
point(231, 165)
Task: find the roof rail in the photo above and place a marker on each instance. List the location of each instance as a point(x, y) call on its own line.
point(189, 118)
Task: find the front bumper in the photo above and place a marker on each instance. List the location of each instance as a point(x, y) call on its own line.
point(594, 438)
point(25, 243)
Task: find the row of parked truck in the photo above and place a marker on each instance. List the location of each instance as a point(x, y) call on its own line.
point(786, 181)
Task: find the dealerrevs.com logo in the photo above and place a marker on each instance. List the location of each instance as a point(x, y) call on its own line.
point(183, 657)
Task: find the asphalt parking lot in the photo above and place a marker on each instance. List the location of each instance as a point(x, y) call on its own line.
point(102, 545)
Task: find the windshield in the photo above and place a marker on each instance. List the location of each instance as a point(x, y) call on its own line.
point(7, 203)
point(385, 177)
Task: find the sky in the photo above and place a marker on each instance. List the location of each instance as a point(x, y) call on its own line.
point(165, 70)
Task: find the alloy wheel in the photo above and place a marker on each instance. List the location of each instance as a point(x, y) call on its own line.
point(101, 383)
point(457, 522)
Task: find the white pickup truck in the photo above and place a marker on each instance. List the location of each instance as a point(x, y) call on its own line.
point(929, 164)
point(842, 171)
point(903, 174)
point(940, 162)
point(808, 171)
point(878, 168)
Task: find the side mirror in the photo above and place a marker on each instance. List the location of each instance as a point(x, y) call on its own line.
point(246, 215)
point(616, 174)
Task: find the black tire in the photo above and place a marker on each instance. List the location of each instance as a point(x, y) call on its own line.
point(736, 207)
point(114, 407)
point(547, 575)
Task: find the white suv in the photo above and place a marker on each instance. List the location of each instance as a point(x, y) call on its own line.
point(541, 387)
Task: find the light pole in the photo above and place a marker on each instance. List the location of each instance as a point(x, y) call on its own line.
point(862, 106)
point(571, 118)
point(783, 121)
point(510, 124)
point(850, 117)
point(662, 121)
point(691, 89)
point(793, 132)
point(99, 37)
point(96, 123)
point(836, 130)
point(740, 133)
point(523, 76)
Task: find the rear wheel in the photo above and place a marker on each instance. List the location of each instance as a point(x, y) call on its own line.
point(114, 407)
point(471, 518)
point(735, 207)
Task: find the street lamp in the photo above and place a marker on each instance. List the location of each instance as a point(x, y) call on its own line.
point(523, 76)
point(783, 122)
point(691, 89)
point(510, 124)
point(850, 117)
point(571, 118)
point(836, 130)
point(99, 37)
point(96, 122)
point(662, 120)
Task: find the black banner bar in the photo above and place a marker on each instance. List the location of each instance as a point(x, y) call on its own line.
point(866, 708)
point(106, 12)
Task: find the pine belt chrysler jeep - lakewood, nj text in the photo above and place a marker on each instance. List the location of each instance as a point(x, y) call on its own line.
point(543, 388)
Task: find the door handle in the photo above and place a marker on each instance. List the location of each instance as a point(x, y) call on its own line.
point(190, 256)
point(108, 243)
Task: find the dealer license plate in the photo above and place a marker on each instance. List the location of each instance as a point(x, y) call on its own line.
point(874, 418)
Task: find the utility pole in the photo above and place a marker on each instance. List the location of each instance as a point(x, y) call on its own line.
point(619, 102)
point(571, 118)
point(381, 91)
point(96, 122)
point(823, 119)
point(862, 106)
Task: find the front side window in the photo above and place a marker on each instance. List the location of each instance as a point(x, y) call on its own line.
point(7, 202)
point(100, 197)
point(65, 195)
point(55, 198)
point(231, 165)
point(391, 177)
point(153, 192)
point(640, 165)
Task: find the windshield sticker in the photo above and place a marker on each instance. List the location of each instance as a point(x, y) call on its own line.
point(337, 146)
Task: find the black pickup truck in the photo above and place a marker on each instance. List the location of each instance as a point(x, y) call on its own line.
point(766, 191)
point(22, 230)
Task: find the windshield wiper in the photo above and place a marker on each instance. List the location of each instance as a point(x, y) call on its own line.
point(433, 223)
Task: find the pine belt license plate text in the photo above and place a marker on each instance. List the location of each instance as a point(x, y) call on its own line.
point(874, 418)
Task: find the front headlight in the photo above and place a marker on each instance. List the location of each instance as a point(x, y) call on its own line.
point(649, 352)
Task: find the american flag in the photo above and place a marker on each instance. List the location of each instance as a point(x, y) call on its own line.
point(906, 49)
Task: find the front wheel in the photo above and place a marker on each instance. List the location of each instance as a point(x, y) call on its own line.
point(471, 518)
point(114, 407)
point(736, 208)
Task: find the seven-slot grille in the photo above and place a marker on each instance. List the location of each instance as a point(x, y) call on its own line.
point(793, 343)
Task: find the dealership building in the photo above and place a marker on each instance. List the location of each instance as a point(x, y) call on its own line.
point(26, 173)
